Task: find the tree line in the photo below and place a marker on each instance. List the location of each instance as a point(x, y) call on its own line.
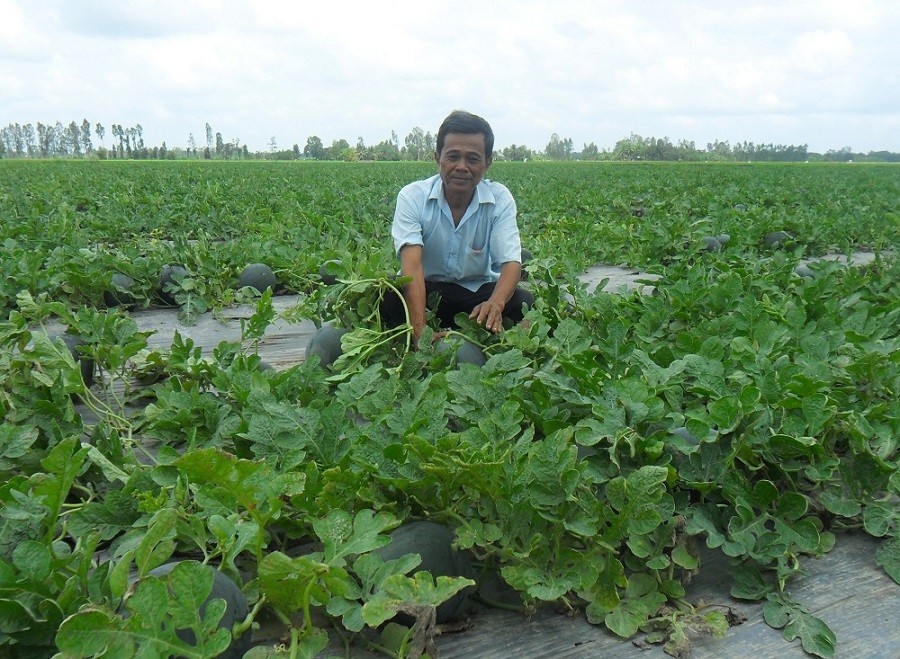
point(76, 140)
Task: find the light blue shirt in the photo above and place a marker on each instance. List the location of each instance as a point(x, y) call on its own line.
point(469, 254)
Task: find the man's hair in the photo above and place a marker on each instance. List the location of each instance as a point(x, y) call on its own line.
point(460, 121)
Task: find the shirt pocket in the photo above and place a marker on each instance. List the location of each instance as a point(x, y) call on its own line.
point(474, 265)
point(479, 236)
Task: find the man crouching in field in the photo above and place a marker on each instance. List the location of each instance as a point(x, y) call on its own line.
point(456, 235)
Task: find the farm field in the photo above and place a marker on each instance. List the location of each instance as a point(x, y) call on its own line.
point(746, 414)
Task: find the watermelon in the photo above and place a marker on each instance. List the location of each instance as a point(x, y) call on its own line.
point(170, 275)
point(466, 352)
point(526, 257)
point(236, 609)
point(258, 276)
point(74, 343)
point(776, 238)
point(805, 271)
point(326, 343)
point(118, 294)
point(434, 544)
point(326, 272)
point(711, 244)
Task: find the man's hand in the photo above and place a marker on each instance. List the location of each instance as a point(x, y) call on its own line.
point(414, 291)
point(489, 314)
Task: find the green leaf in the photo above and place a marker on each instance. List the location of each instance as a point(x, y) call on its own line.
point(641, 601)
point(344, 537)
point(888, 557)
point(815, 636)
point(683, 557)
point(287, 582)
point(411, 595)
point(725, 412)
point(93, 633)
point(749, 584)
point(158, 542)
point(879, 518)
point(838, 503)
point(32, 559)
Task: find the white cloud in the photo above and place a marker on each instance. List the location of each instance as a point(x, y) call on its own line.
point(592, 70)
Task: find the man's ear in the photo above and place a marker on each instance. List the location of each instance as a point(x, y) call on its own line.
point(487, 163)
point(437, 157)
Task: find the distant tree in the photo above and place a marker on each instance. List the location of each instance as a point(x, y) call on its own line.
point(633, 147)
point(207, 154)
point(42, 139)
point(841, 155)
point(220, 146)
point(192, 145)
point(314, 148)
point(120, 134)
point(517, 152)
point(415, 147)
point(273, 144)
point(209, 136)
point(87, 146)
point(75, 138)
point(336, 150)
point(558, 149)
point(61, 139)
point(718, 150)
point(686, 150)
point(590, 152)
point(386, 150)
point(100, 131)
point(30, 140)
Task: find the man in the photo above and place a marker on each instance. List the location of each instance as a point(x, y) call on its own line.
point(456, 235)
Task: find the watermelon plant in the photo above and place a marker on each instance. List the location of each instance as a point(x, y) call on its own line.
point(743, 406)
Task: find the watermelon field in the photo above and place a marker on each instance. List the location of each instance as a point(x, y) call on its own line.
point(179, 500)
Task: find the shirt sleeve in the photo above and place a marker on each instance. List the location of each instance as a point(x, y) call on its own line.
point(407, 226)
point(506, 244)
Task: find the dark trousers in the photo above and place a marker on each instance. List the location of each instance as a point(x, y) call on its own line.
point(454, 299)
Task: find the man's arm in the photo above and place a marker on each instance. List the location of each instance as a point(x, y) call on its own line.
point(490, 312)
point(414, 291)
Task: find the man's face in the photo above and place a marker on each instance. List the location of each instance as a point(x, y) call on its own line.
point(462, 163)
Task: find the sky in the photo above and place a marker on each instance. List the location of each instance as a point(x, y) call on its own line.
point(825, 73)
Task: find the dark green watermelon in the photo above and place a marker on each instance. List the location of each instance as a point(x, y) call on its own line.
point(258, 276)
point(775, 238)
point(466, 352)
point(74, 343)
point(236, 609)
point(433, 543)
point(326, 343)
point(804, 271)
point(169, 276)
point(118, 293)
point(326, 272)
point(711, 244)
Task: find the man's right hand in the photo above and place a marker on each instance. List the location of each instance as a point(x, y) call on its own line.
point(414, 291)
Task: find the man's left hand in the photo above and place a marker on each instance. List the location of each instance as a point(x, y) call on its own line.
point(490, 315)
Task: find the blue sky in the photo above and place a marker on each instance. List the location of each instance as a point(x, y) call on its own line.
point(822, 73)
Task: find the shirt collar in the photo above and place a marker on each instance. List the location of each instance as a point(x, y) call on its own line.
point(483, 192)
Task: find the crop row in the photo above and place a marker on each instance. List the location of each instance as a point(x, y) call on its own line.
point(67, 227)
